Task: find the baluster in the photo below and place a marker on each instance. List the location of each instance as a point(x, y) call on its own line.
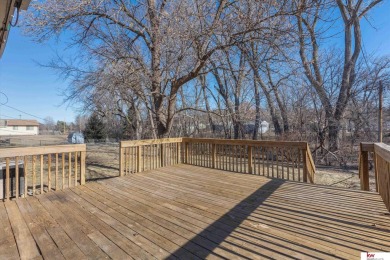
point(25, 176)
point(69, 169)
point(299, 164)
point(82, 166)
point(75, 168)
point(282, 158)
point(7, 180)
point(63, 171)
point(56, 182)
point(41, 173)
point(49, 172)
point(17, 176)
point(34, 174)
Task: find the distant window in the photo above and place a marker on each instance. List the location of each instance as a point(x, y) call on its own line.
point(15, 128)
point(30, 128)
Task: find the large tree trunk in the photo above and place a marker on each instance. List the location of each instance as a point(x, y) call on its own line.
point(257, 104)
point(206, 100)
point(237, 117)
point(282, 110)
point(333, 133)
point(274, 117)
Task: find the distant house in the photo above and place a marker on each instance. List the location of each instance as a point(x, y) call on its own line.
point(19, 127)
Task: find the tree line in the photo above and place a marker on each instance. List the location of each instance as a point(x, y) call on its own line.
point(160, 68)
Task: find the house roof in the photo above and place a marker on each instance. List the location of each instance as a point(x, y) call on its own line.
point(7, 9)
point(20, 122)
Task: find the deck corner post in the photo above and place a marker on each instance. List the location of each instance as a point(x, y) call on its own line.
point(363, 170)
point(305, 162)
point(376, 172)
point(250, 159)
point(121, 159)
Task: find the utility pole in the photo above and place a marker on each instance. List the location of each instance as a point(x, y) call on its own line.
point(380, 130)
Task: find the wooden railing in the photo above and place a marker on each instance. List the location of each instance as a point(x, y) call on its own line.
point(35, 170)
point(284, 160)
point(142, 155)
point(381, 159)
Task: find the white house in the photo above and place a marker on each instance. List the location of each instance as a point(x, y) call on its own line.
point(19, 127)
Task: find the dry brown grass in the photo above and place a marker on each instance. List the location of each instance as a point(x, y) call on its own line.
point(102, 161)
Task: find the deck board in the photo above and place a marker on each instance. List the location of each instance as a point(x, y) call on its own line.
point(191, 212)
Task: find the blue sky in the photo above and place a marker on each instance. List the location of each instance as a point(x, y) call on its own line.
point(30, 87)
point(37, 90)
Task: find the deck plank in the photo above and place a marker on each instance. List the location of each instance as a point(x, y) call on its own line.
point(197, 222)
point(121, 241)
point(47, 246)
point(7, 241)
point(230, 194)
point(191, 212)
point(249, 226)
point(182, 228)
point(146, 237)
point(24, 240)
point(74, 229)
point(66, 245)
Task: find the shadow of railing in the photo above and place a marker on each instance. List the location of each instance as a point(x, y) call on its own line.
point(246, 207)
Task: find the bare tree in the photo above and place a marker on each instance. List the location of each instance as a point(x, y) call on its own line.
point(171, 42)
point(307, 21)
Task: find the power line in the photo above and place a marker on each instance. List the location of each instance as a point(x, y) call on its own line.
point(5, 104)
point(24, 112)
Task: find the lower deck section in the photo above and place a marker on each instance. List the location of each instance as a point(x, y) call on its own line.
point(191, 212)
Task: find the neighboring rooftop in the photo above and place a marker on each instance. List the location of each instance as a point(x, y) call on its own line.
point(20, 122)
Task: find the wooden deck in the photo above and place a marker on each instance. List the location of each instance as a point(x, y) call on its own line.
point(192, 212)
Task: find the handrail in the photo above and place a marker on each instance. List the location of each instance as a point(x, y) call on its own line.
point(302, 145)
point(134, 143)
point(287, 160)
point(381, 156)
point(20, 165)
point(37, 150)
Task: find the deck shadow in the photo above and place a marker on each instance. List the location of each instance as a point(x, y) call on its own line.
point(246, 207)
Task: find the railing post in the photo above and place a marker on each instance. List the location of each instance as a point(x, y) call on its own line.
point(305, 168)
point(162, 155)
point(213, 155)
point(82, 166)
point(178, 152)
point(376, 172)
point(250, 159)
point(121, 160)
point(363, 171)
point(139, 156)
point(7, 179)
point(186, 153)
